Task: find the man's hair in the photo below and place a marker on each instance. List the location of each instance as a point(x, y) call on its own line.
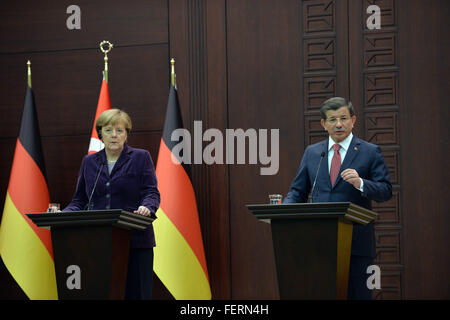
point(334, 104)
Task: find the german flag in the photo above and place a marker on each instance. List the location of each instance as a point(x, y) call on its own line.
point(180, 260)
point(26, 250)
point(103, 104)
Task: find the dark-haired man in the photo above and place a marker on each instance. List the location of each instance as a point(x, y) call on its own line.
point(353, 170)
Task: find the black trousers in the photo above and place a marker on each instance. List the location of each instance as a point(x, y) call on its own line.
point(357, 280)
point(140, 274)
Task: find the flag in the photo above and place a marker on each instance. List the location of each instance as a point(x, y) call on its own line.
point(26, 249)
point(180, 261)
point(103, 104)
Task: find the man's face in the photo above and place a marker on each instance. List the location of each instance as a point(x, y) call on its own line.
point(339, 123)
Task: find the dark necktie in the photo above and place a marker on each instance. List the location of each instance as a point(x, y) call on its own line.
point(335, 164)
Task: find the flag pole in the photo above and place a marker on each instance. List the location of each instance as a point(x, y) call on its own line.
point(103, 103)
point(173, 76)
point(29, 72)
point(106, 51)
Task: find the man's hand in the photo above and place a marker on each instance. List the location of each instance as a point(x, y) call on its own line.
point(352, 177)
point(144, 211)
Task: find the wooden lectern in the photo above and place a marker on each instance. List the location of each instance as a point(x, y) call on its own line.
point(94, 244)
point(312, 246)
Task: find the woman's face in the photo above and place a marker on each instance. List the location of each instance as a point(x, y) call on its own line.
point(114, 137)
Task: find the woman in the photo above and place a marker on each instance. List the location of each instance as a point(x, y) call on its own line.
point(125, 180)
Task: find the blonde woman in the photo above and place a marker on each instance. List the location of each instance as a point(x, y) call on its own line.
point(124, 178)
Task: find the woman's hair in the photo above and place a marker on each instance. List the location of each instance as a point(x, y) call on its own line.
point(112, 117)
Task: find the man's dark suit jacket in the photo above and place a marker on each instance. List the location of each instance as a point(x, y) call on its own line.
point(367, 160)
point(132, 183)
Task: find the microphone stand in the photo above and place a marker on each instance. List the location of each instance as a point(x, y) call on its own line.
point(311, 198)
point(95, 185)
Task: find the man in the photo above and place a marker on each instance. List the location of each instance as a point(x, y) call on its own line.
point(352, 170)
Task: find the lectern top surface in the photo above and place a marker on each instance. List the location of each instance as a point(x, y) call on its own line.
point(121, 218)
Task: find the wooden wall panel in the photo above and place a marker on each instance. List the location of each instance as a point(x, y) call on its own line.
point(374, 87)
point(264, 85)
point(424, 48)
point(66, 85)
point(325, 60)
point(41, 25)
point(198, 44)
point(218, 235)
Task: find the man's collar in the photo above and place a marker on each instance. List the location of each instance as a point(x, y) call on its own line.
point(344, 143)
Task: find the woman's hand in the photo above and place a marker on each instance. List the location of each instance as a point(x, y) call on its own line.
point(144, 211)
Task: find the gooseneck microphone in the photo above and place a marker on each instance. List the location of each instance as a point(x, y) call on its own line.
point(95, 185)
point(311, 198)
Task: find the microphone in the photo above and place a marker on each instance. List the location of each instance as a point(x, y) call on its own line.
point(311, 199)
point(95, 185)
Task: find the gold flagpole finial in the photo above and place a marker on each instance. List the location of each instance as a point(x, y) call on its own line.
point(106, 51)
point(173, 76)
point(29, 72)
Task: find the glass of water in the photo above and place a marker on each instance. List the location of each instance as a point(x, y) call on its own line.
point(275, 198)
point(53, 207)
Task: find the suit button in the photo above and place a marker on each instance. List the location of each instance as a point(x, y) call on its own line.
point(108, 195)
point(108, 184)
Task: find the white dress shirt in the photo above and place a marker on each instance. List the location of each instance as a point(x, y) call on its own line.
point(345, 144)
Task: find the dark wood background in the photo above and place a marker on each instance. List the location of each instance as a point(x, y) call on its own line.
point(260, 64)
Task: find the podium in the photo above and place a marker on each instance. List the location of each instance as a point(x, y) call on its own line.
point(312, 246)
point(90, 250)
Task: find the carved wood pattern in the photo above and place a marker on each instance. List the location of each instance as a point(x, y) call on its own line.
point(381, 111)
point(324, 30)
point(319, 63)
